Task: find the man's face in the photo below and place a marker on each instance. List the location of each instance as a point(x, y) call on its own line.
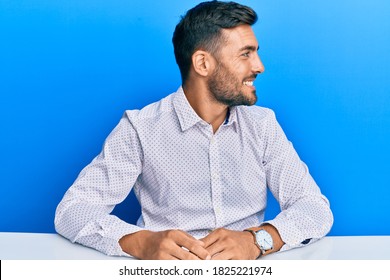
point(231, 82)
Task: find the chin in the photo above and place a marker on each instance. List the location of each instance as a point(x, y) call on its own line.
point(252, 99)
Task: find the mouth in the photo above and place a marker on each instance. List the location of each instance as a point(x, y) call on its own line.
point(248, 83)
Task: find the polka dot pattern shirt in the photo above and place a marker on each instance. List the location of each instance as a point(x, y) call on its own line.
point(187, 177)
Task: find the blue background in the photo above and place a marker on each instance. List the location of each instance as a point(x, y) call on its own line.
point(68, 70)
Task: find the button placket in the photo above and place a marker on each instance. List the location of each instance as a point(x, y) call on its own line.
point(216, 188)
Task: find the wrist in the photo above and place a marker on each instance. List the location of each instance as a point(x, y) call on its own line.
point(277, 241)
point(255, 250)
point(262, 239)
point(132, 243)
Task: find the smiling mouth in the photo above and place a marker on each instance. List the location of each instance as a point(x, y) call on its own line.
point(248, 83)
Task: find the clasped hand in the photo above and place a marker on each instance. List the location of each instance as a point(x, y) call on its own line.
point(220, 244)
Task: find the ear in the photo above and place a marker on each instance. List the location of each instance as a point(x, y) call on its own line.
point(202, 62)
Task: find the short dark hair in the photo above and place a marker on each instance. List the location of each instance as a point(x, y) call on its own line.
point(201, 28)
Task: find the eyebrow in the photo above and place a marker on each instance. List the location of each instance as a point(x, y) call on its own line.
point(249, 48)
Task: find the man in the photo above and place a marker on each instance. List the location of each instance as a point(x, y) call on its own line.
point(200, 160)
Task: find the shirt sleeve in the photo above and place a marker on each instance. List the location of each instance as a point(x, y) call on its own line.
point(305, 212)
point(83, 215)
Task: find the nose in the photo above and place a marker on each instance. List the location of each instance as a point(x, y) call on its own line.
point(257, 64)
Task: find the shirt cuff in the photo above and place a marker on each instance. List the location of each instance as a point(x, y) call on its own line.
point(289, 234)
point(111, 234)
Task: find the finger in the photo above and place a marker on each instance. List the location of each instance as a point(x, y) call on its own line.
point(180, 235)
point(210, 239)
point(170, 257)
point(199, 251)
point(192, 246)
point(216, 247)
point(173, 251)
point(225, 255)
point(164, 255)
point(184, 254)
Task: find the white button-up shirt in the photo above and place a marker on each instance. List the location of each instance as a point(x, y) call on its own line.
point(187, 177)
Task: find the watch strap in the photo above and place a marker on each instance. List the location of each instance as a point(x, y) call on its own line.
point(255, 241)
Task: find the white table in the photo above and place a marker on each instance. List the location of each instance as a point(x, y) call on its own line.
point(43, 246)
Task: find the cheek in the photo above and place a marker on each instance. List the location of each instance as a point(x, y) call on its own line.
point(241, 70)
point(237, 66)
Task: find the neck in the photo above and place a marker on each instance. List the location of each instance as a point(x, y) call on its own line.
point(204, 105)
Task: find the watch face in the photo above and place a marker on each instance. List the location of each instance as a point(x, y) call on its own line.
point(264, 239)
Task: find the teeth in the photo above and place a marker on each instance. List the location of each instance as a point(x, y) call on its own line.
point(248, 83)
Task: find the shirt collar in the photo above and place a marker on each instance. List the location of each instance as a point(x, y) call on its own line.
point(231, 118)
point(185, 113)
point(188, 117)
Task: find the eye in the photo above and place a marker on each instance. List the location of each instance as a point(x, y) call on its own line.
point(246, 54)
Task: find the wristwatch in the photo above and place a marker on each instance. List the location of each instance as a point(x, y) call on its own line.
point(263, 240)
